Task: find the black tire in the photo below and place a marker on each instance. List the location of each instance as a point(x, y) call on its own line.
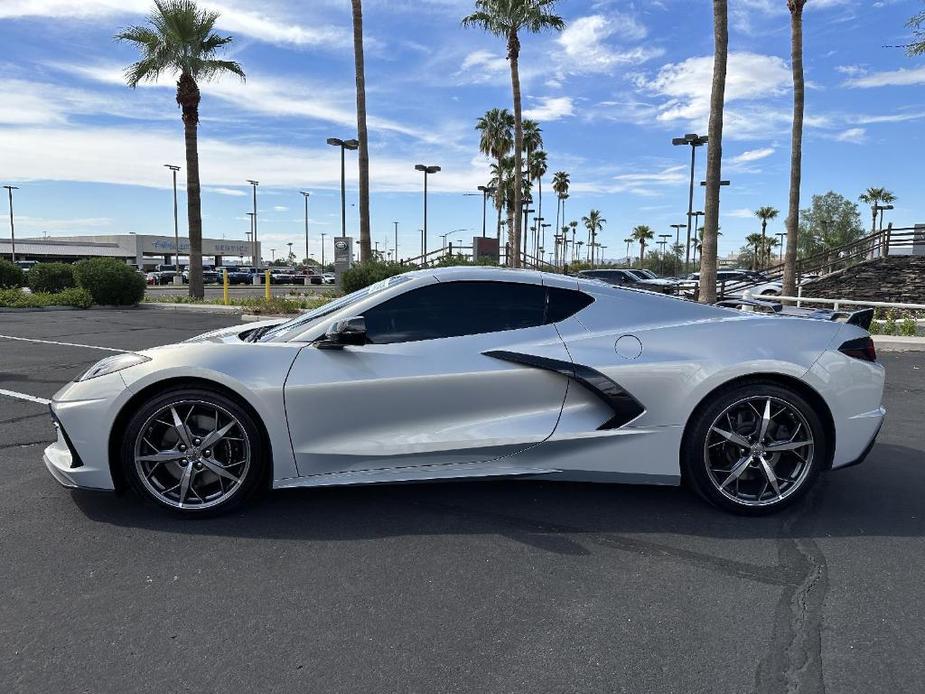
point(698, 460)
point(249, 433)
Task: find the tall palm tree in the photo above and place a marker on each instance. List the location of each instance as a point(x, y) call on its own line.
point(765, 214)
point(642, 234)
point(594, 223)
point(875, 197)
point(756, 241)
point(715, 151)
point(362, 135)
point(496, 140)
point(573, 226)
point(179, 40)
point(796, 145)
point(538, 166)
point(560, 186)
point(507, 18)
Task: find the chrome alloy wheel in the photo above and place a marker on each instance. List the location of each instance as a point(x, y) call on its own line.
point(192, 455)
point(759, 451)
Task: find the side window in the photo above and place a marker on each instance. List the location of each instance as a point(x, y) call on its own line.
point(453, 309)
point(563, 303)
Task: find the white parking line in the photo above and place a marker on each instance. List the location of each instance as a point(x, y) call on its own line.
point(24, 396)
point(64, 344)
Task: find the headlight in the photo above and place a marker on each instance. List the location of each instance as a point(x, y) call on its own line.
point(112, 364)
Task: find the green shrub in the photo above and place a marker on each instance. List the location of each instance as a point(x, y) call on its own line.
point(364, 274)
point(908, 327)
point(110, 281)
point(11, 275)
point(51, 277)
point(74, 296)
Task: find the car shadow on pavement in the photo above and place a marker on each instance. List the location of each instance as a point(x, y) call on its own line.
point(881, 497)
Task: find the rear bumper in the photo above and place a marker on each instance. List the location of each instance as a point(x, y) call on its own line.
point(867, 449)
point(858, 438)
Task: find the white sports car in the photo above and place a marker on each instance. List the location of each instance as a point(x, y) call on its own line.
point(480, 373)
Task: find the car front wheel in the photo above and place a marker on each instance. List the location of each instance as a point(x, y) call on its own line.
point(194, 451)
point(755, 449)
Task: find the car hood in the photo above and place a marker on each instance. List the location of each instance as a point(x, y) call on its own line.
point(234, 332)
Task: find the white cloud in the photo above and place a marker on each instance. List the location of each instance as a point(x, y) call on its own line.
point(280, 208)
point(888, 118)
point(233, 192)
point(235, 17)
point(753, 83)
point(902, 77)
point(98, 154)
point(482, 66)
point(585, 48)
point(550, 108)
point(853, 135)
point(741, 213)
point(753, 155)
point(268, 95)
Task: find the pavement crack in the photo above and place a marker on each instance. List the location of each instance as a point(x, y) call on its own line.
point(793, 663)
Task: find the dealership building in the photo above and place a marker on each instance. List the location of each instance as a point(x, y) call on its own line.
point(142, 250)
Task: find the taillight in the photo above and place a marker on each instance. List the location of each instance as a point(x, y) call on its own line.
point(861, 348)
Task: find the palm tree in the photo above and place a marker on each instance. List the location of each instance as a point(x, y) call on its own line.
point(594, 223)
point(362, 135)
point(875, 197)
point(560, 186)
point(715, 152)
point(641, 234)
point(698, 242)
point(507, 18)
point(538, 166)
point(796, 145)
point(765, 214)
point(179, 39)
point(495, 141)
point(572, 226)
point(756, 241)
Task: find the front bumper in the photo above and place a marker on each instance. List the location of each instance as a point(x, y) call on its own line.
point(60, 459)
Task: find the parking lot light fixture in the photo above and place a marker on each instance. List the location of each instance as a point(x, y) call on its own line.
point(692, 140)
point(306, 196)
point(322, 251)
point(250, 239)
point(9, 190)
point(176, 227)
point(254, 185)
point(486, 191)
point(782, 235)
point(344, 146)
point(427, 171)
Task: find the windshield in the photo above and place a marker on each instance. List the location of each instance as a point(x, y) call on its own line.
point(304, 320)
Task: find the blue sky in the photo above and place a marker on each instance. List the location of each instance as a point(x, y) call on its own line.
point(610, 93)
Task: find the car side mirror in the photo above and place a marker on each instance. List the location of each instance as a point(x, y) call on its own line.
point(350, 331)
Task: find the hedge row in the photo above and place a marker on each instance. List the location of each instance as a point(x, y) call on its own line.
point(106, 280)
point(74, 296)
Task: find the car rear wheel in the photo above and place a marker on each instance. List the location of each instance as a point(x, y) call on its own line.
point(194, 451)
point(755, 449)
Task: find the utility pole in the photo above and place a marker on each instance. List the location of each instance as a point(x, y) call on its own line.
point(254, 185)
point(396, 240)
point(9, 190)
point(176, 227)
point(306, 196)
point(694, 141)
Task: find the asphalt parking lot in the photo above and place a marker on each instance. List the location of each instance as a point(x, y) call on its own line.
point(466, 587)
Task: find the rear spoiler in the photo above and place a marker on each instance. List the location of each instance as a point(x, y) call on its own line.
point(862, 318)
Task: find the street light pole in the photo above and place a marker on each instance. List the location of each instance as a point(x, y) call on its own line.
point(254, 185)
point(486, 191)
point(664, 244)
point(782, 235)
point(9, 190)
point(250, 238)
point(694, 141)
point(427, 171)
point(344, 146)
point(306, 195)
point(322, 252)
point(176, 227)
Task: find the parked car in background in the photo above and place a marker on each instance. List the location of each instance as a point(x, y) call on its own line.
point(624, 277)
point(329, 278)
point(735, 283)
point(237, 274)
point(209, 276)
point(26, 265)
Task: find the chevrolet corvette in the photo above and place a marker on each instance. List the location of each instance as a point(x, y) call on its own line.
point(463, 373)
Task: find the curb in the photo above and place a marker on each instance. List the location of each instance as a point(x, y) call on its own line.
point(207, 308)
point(899, 343)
